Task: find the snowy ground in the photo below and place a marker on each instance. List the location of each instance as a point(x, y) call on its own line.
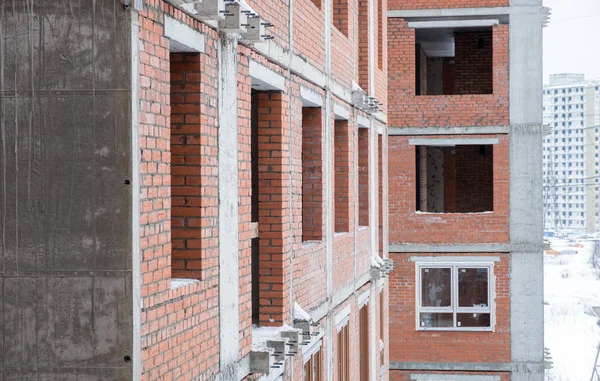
point(572, 334)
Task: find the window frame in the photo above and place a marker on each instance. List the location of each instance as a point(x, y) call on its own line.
point(454, 309)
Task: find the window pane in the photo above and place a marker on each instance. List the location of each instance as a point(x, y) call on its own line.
point(473, 287)
point(435, 287)
point(473, 320)
point(434, 320)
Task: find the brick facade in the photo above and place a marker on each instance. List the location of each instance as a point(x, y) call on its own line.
point(180, 187)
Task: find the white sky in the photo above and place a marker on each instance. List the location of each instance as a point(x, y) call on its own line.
point(572, 40)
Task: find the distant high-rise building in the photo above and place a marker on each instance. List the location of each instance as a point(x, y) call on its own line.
point(571, 163)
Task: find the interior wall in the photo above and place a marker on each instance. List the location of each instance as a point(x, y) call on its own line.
point(435, 181)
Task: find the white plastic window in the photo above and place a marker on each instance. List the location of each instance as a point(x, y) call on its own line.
point(455, 297)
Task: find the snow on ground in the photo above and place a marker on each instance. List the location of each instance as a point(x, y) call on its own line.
point(572, 334)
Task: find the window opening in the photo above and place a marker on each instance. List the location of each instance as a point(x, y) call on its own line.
point(457, 179)
point(454, 297)
point(454, 62)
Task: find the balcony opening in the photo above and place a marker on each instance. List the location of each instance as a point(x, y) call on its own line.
point(454, 61)
point(457, 179)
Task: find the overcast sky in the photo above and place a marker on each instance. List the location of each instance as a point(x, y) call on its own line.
point(572, 40)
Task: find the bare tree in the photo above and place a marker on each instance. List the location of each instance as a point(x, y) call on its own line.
point(595, 260)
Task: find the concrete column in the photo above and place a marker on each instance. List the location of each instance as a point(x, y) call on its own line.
point(228, 209)
point(526, 204)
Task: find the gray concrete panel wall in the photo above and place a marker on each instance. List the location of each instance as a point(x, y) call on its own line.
point(65, 190)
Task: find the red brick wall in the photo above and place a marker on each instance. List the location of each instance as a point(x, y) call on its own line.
point(399, 375)
point(473, 62)
point(445, 346)
point(342, 168)
point(363, 176)
point(434, 4)
point(309, 39)
point(340, 15)
point(180, 337)
point(363, 42)
point(312, 174)
point(409, 110)
point(408, 226)
point(274, 167)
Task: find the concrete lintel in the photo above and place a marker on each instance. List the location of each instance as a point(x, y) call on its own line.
point(451, 366)
point(462, 259)
point(183, 38)
point(310, 98)
point(363, 298)
point(363, 122)
point(453, 377)
point(451, 142)
point(416, 131)
point(453, 24)
point(449, 12)
point(440, 248)
point(244, 367)
point(341, 316)
point(340, 112)
point(264, 78)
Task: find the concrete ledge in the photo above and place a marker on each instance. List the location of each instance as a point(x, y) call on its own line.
point(451, 142)
point(415, 131)
point(310, 98)
point(363, 122)
point(264, 78)
point(452, 24)
point(449, 12)
point(462, 259)
point(441, 248)
point(182, 37)
point(453, 377)
point(340, 112)
point(452, 366)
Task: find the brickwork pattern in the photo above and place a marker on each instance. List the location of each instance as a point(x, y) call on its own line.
point(408, 226)
point(343, 169)
point(180, 337)
point(445, 346)
point(363, 176)
point(473, 63)
point(312, 174)
point(409, 110)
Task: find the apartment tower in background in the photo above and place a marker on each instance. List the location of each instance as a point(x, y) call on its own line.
point(465, 189)
point(571, 162)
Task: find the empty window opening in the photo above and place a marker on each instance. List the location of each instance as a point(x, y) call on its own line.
point(254, 204)
point(454, 62)
point(186, 184)
point(380, 190)
point(363, 42)
point(342, 176)
point(456, 179)
point(364, 342)
point(312, 174)
point(313, 367)
point(454, 297)
point(340, 15)
point(363, 177)
point(343, 353)
point(381, 328)
point(380, 33)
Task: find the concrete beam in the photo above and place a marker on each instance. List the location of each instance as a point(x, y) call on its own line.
point(340, 112)
point(453, 24)
point(452, 366)
point(264, 78)
point(441, 248)
point(310, 98)
point(451, 142)
point(363, 122)
point(453, 377)
point(449, 12)
point(183, 38)
point(415, 131)
point(462, 259)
